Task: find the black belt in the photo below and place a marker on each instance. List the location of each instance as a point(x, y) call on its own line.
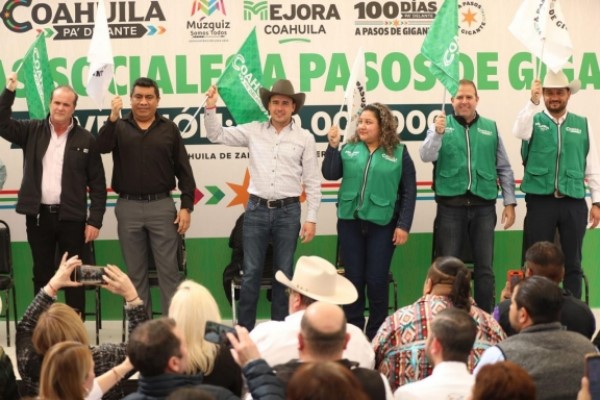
point(144, 197)
point(50, 208)
point(274, 203)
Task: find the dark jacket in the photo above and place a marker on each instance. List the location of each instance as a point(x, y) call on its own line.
point(262, 383)
point(82, 167)
point(575, 315)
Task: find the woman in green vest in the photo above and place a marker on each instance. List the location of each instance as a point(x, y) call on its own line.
point(376, 204)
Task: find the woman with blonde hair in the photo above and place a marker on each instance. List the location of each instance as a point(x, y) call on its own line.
point(191, 306)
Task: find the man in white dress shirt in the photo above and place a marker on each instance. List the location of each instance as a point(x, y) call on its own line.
point(314, 279)
point(283, 164)
point(449, 344)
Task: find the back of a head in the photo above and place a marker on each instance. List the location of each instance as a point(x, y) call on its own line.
point(546, 259)
point(452, 272)
point(57, 324)
point(541, 297)
point(503, 381)
point(64, 371)
point(327, 380)
point(456, 330)
point(152, 344)
point(323, 328)
point(191, 306)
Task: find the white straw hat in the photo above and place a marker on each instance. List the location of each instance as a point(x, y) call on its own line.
point(557, 80)
point(318, 279)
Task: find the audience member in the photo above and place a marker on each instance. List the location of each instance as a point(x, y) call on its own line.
point(67, 372)
point(323, 337)
point(547, 259)
point(448, 347)
point(314, 279)
point(375, 208)
point(552, 356)
point(469, 161)
point(62, 169)
point(46, 323)
point(400, 343)
point(283, 165)
point(191, 306)
point(8, 381)
point(158, 350)
point(326, 380)
point(148, 158)
point(504, 380)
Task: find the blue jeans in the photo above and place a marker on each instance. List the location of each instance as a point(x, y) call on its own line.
point(367, 251)
point(476, 225)
point(281, 227)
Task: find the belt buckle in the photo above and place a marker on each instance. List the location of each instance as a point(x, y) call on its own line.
point(269, 202)
point(558, 194)
point(53, 209)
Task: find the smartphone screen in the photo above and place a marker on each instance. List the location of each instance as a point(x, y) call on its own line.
point(90, 275)
point(592, 363)
point(216, 333)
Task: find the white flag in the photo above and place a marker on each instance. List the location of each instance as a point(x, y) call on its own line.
point(355, 94)
point(540, 25)
point(100, 58)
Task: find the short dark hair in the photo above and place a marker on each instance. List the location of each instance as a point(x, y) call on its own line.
point(322, 343)
point(549, 258)
point(145, 82)
point(69, 89)
point(541, 297)
point(456, 330)
point(152, 344)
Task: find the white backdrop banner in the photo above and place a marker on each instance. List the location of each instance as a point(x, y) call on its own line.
point(185, 45)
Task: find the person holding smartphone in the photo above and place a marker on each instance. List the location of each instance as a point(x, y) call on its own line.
point(46, 323)
point(547, 259)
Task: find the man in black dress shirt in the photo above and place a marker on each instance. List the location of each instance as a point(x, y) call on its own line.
point(148, 155)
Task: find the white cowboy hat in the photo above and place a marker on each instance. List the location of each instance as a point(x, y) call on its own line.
point(285, 88)
point(557, 80)
point(318, 279)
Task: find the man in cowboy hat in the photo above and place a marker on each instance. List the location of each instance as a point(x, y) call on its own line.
point(315, 279)
point(283, 163)
point(559, 153)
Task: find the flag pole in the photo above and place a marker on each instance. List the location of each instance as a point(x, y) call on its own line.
point(444, 99)
point(195, 115)
point(114, 81)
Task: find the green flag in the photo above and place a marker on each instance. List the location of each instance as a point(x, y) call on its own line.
point(240, 82)
point(35, 75)
point(441, 46)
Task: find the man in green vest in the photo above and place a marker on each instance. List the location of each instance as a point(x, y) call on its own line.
point(469, 159)
point(559, 153)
